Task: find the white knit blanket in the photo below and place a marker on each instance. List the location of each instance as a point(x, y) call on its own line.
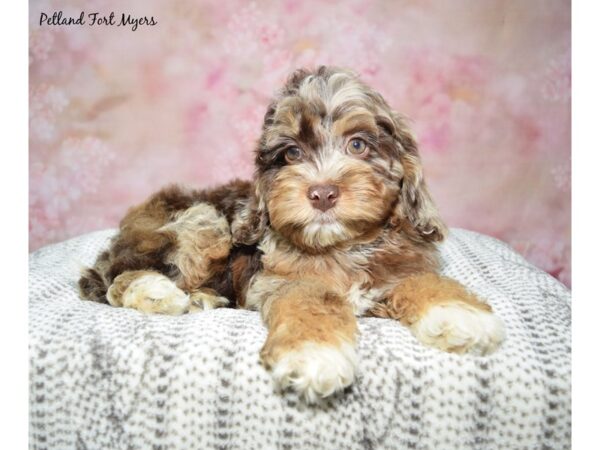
point(113, 378)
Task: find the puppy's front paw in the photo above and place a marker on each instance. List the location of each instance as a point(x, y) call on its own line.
point(460, 328)
point(315, 371)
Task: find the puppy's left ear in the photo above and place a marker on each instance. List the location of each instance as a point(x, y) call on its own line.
point(415, 203)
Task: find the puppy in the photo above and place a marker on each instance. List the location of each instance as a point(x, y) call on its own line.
point(337, 223)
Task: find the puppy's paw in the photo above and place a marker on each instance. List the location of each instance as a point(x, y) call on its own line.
point(315, 371)
point(150, 293)
point(204, 300)
point(460, 328)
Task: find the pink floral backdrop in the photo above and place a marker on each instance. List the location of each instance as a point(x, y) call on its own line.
point(115, 114)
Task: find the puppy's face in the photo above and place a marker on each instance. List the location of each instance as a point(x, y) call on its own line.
point(331, 163)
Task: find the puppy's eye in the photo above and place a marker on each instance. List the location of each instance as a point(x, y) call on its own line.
point(293, 154)
point(357, 146)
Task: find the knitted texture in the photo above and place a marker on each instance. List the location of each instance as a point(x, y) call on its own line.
point(114, 378)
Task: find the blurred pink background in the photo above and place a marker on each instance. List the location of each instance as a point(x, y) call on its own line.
point(115, 114)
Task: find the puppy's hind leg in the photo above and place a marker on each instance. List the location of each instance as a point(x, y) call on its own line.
point(149, 292)
point(203, 242)
point(166, 251)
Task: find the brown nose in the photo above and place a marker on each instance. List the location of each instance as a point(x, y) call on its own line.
point(323, 196)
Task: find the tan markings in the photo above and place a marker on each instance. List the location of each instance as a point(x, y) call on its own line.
point(355, 119)
point(288, 203)
point(149, 292)
point(203, 241)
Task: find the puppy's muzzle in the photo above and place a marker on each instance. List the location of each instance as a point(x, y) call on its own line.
point(323, 196)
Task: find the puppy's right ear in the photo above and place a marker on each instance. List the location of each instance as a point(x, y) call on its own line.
point(250, 222)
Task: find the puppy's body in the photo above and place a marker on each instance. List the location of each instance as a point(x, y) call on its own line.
point(149, 239)
point(338, 222)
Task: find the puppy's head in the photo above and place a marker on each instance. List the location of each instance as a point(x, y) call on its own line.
point(335, 164)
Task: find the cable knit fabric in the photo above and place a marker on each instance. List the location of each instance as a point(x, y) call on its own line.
point(114, 378)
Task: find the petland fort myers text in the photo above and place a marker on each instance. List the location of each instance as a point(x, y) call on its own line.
point(97, 19)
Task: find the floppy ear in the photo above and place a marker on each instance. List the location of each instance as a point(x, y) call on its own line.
point(415, 203)
point(249, 222)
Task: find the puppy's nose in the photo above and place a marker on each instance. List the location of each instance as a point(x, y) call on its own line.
point(323, 196)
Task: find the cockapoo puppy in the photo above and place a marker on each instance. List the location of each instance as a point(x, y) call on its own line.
point(337, 223)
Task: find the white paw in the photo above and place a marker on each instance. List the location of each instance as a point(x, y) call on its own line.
point(316, 371)
point(155, 293)
point(460, 328)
